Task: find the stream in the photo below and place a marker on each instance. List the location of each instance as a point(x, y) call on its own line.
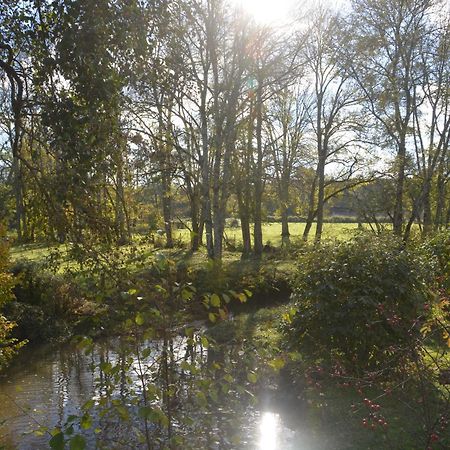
point(47, 385)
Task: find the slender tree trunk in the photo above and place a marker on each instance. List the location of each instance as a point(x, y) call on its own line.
point(284, 197)
point(258, 175)
point(320, 197)
point(120, 204)
point(167, 208)
point(398, 208)
point(204, 162)
point(426, 204)
point(244, 215)
point(440, 202)
point(195, 237)
point(311, 209)
point(21, 222)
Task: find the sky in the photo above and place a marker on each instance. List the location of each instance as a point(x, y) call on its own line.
point(279, 11)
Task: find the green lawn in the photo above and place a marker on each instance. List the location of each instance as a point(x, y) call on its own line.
point(271, 235)
point(272, 232)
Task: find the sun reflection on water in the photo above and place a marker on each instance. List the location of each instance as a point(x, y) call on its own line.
point(268, 431)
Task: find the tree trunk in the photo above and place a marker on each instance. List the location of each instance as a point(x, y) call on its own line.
point(398, 208)
point(122, 230)
point(167, 208)
point(320, 197)
point(426, 204)
point(244, 215)
point(21, 222)
point(258, 176)
point(284, 197)
point(195, 236)
point(440, 203)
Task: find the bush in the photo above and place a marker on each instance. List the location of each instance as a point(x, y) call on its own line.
point(359, 301)
point(47, 305)
point(8, 345)
point(437, 247)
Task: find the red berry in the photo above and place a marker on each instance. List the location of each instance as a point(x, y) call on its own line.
point(434, 437)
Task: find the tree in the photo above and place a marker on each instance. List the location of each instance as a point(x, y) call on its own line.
point(386, 61)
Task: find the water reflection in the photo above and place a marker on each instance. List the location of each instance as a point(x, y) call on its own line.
point(45, 388)
point(269, 429)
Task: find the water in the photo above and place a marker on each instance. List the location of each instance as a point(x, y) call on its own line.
point(47, 385)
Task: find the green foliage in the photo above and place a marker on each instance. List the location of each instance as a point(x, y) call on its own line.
point(359, 301)
point(8, 345)
point(438, 247)
point(46, 305)
point(178, 389)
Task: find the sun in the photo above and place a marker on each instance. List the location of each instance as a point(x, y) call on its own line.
point(267, 11)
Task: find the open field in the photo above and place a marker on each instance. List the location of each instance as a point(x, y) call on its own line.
point(271, 235)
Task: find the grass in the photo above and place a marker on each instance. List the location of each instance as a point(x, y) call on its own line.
point(271, 235)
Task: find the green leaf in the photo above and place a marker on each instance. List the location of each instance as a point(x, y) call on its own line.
point(86, 422)
point(145, 412)
point(242, 297)
point(248, 293)
point(77, 443)
point(215, 300)
point(57, 441)
point(186, 294)
point(189, 331)
point(205, 342)
point(252, 377)
point(277, 363)
point(123, 412)
point(212, 317)
point(226, 298)
point(139, 319)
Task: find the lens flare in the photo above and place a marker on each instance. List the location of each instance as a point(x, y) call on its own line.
point(268, 431)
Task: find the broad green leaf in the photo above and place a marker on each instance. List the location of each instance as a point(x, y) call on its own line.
point(77, 443)
point(215, 300)
point(57, 441)
point(212, 317)
point(86, 422)
point(205, 342)
point(242, 297)
point(277, 363)
point(139, 319)
point(252, 377)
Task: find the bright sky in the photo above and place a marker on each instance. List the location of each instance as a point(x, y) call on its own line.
point(276, 11)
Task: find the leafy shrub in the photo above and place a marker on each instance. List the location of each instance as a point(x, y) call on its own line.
point(437, 247)
point(8, 344)
point(46, 304)
point(359, 301)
